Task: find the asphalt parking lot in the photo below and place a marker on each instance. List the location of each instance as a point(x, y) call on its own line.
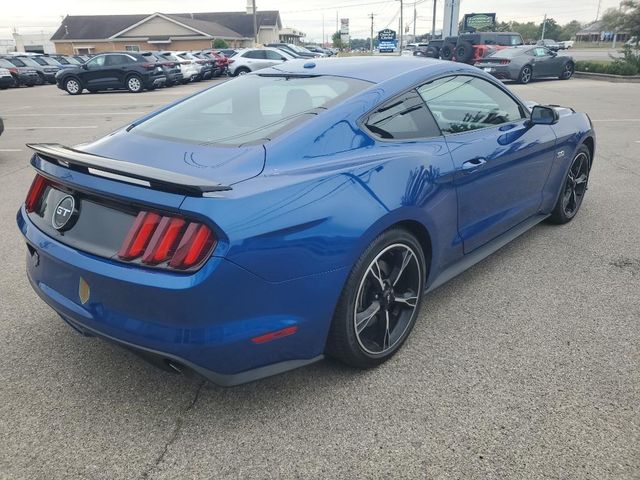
point(526, 366)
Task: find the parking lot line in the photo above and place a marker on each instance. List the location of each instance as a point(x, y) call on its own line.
point(85, 114)
point(10, 149)
point(58, 128)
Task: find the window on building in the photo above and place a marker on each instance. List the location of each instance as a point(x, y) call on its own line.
point(131, 48)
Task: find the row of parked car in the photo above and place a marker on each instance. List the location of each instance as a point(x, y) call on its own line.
point(138, 71)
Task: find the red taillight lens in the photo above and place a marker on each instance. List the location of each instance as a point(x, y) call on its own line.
point(196, 242)
point(139, 235)
point(149, 66)
point(159, 239)
point(35, 193)
point(504, 62)
point(164, 240)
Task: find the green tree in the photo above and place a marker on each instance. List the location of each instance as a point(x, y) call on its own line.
point(569, 30)
point(528, 31)
point(552, 30)
point(220, 43)
point(337, 41)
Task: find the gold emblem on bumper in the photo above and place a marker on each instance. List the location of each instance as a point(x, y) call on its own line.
point(83, 291)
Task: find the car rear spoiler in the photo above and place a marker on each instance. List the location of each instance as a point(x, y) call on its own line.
point(126, 171)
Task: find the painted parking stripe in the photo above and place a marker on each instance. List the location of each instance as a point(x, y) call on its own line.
point(10, 149)
point(84, 114)
point(57, 128)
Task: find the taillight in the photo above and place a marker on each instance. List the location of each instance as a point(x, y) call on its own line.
point(504, 62)
point(157, 239)
point(35, 193)
point(149, 66)
point(14, 71)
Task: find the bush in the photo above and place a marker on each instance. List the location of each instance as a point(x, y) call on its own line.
point(617, 67)
point(219, 43)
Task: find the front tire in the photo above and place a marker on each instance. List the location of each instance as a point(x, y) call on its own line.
point(525, 75)
point(380, 301)
point(574, 188)
point(72, 86)
point(241, 71)
point(134, 84)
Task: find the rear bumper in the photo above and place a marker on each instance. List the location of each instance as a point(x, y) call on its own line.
point(502, 72)
point(201, 322)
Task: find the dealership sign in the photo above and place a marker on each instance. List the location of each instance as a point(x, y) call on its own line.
point(476, 21)
point(344, 31)
point(387, 40)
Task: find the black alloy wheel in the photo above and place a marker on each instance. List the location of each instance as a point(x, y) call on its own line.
point(525, 74)
point(567, 71)
point(574, 187)
point(380, 302)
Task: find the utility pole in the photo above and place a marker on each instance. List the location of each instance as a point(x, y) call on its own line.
point(598, 11)
point(433, 22)
point(371, 15)
point(544, 26)
point(323, 43)
point(414, 21)
point(401, 30)
point(255, 24)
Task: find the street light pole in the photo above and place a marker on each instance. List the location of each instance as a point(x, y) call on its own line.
point(255, 24)
point(433, 21)
point(544, 26)
point(401, 30)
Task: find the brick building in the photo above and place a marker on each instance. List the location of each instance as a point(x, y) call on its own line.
point(82, 34)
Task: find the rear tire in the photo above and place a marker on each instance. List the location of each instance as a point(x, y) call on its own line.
point(574, 188)
point(380, 301)
point(134, 84)
point(525, 75)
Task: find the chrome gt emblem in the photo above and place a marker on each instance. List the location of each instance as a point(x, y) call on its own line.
point(63, 213)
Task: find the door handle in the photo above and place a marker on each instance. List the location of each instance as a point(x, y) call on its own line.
point(473, 165)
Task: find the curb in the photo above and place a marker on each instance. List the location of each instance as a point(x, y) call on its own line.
point(606, 77)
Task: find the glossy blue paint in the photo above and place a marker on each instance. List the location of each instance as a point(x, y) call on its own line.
point(303, 208)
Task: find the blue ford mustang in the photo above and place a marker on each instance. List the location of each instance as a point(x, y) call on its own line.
point(293, 213)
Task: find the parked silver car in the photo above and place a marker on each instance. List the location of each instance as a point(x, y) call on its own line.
point(527, 63)
point(252, 59)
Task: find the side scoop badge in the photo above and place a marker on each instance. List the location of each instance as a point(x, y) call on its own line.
point(84, 292)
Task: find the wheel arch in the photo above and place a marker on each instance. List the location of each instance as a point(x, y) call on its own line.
point(590, 143)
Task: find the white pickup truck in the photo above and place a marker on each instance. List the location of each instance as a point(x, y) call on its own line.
point(566, 44)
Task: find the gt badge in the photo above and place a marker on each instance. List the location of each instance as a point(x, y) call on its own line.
point(84, 291)
point(65, 210)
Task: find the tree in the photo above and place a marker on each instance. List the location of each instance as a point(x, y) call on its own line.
point(552, 29)
point(337, 41)
point(528, 31)
point(631, 9)
point(220, 43)
point(569, 30)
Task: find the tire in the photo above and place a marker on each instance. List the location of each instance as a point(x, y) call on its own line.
point(241, 71)
point(134, 84)
point(525, 75)
point(447, 50)
point(574, 188)
point(73, 86)
point(567, 71)
point(433, 52)
point(464, 52)
point(359, 338)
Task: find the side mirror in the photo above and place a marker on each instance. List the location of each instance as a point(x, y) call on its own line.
point(542, 115)
point(84, 66)
point(554, 53)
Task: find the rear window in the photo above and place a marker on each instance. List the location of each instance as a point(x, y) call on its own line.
point(252, 108)
point(509, 40)
point(507, 53)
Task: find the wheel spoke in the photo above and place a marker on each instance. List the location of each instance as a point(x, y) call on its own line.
point(406, 258)
point(376, 271)
point(581, 179)
point(407, 299)
point(575, 200)
point(363, 318)
point(385, 339)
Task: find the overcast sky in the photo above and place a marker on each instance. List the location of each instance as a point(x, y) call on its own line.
point(34, 15)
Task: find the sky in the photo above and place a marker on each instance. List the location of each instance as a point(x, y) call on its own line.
point(34, 16)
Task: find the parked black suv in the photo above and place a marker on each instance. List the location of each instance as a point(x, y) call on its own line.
point(172, 73)
point(470, 47)
point(22, 75)
point(112, 71)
